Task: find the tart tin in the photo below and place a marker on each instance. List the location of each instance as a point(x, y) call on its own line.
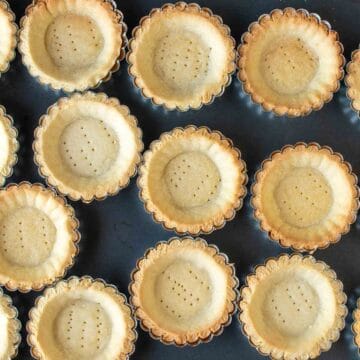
point(234, 302)
point(85, 277)
point(46, 178)
point(116, 65)
point(307, 14)
point(75, 242)
point(274, 153)
point(171, 5)
point(162, 223)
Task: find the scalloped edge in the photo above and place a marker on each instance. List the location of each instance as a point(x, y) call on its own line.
point(261, 219)
point(346, 81)
point(182, 5)
point(42, 168)
point(106, 78)
point(234, 289)
point(12, 285)
point(270, 107)
point(91, 281)
point(341, 312)
point(15, 324)
point(12, 132)
point(142, 173)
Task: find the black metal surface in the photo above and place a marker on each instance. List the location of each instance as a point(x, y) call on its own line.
point(117, 231)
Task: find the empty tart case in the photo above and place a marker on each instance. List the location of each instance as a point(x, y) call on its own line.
point(352, 80)
point(292, 307)
point(184, 291)
point(192, 180)
point(88, 146)
point(305, 196)
point(355, 327)
point(290, 62)
point(8, 30)
point(72, 45)
point(81, 318)
point(8, 145)
point(9, 328)
point(181, 56)
point(38, 236)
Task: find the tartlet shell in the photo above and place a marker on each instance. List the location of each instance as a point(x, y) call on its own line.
point(279, 110)
point(354, 54)
point(356, 319)
point(12, 131)
point(12, 285)
point(156, 217)
point(217, 20)
point(106, 78)
point(257, 273)
point(38, 159)
point(90, 280)
point(265, 226)
point(212, 250)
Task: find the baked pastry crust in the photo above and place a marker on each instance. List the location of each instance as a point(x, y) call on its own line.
point(303, 305)
point(305, 196)
point(9, 327)
point(355, 327)
point(290, 74)
point(42, 231)
point(74, 308)
point(171, 67)
point(192, 180)
point(97, 150)
point(352, 80)
point(8, 145)
point(72, 45)
point(184, 321)
point(8, 31)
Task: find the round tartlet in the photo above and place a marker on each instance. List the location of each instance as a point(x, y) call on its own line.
point(88, 146)
point(292, 307)
point(192, 180)
point(72, 45)
point(352, 80)
point(305, 196)
point(9, 328)
point(8, 29)
point(181, 56)
point(81, 318)
point(8, 145)
point(356, 324)
point(184, 291)
point(38, 237)
point(290, 62)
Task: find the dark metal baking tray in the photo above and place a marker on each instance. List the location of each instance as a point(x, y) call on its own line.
point(117, 231)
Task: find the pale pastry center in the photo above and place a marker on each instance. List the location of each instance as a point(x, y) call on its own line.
point(27, 236)
point(89, 147)
point(183, 290)
point(182, 59)
point(291, 307)
point(83, 329)
point(192, 179)
point(288, 65)
point(304, 197)
point(73, 41)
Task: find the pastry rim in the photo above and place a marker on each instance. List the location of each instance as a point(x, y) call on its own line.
point(356, 319)
point(181, 6)
point(5, 6)
point(348, 76)
point(12, 133)
point(156, 332)
point(281, 110)
point(12, 285)
point(14, 324)
point(86, 281)
point(189, 229)
point(43, 169)
point(32, 69)
point(259, 273)
point(284, 242)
